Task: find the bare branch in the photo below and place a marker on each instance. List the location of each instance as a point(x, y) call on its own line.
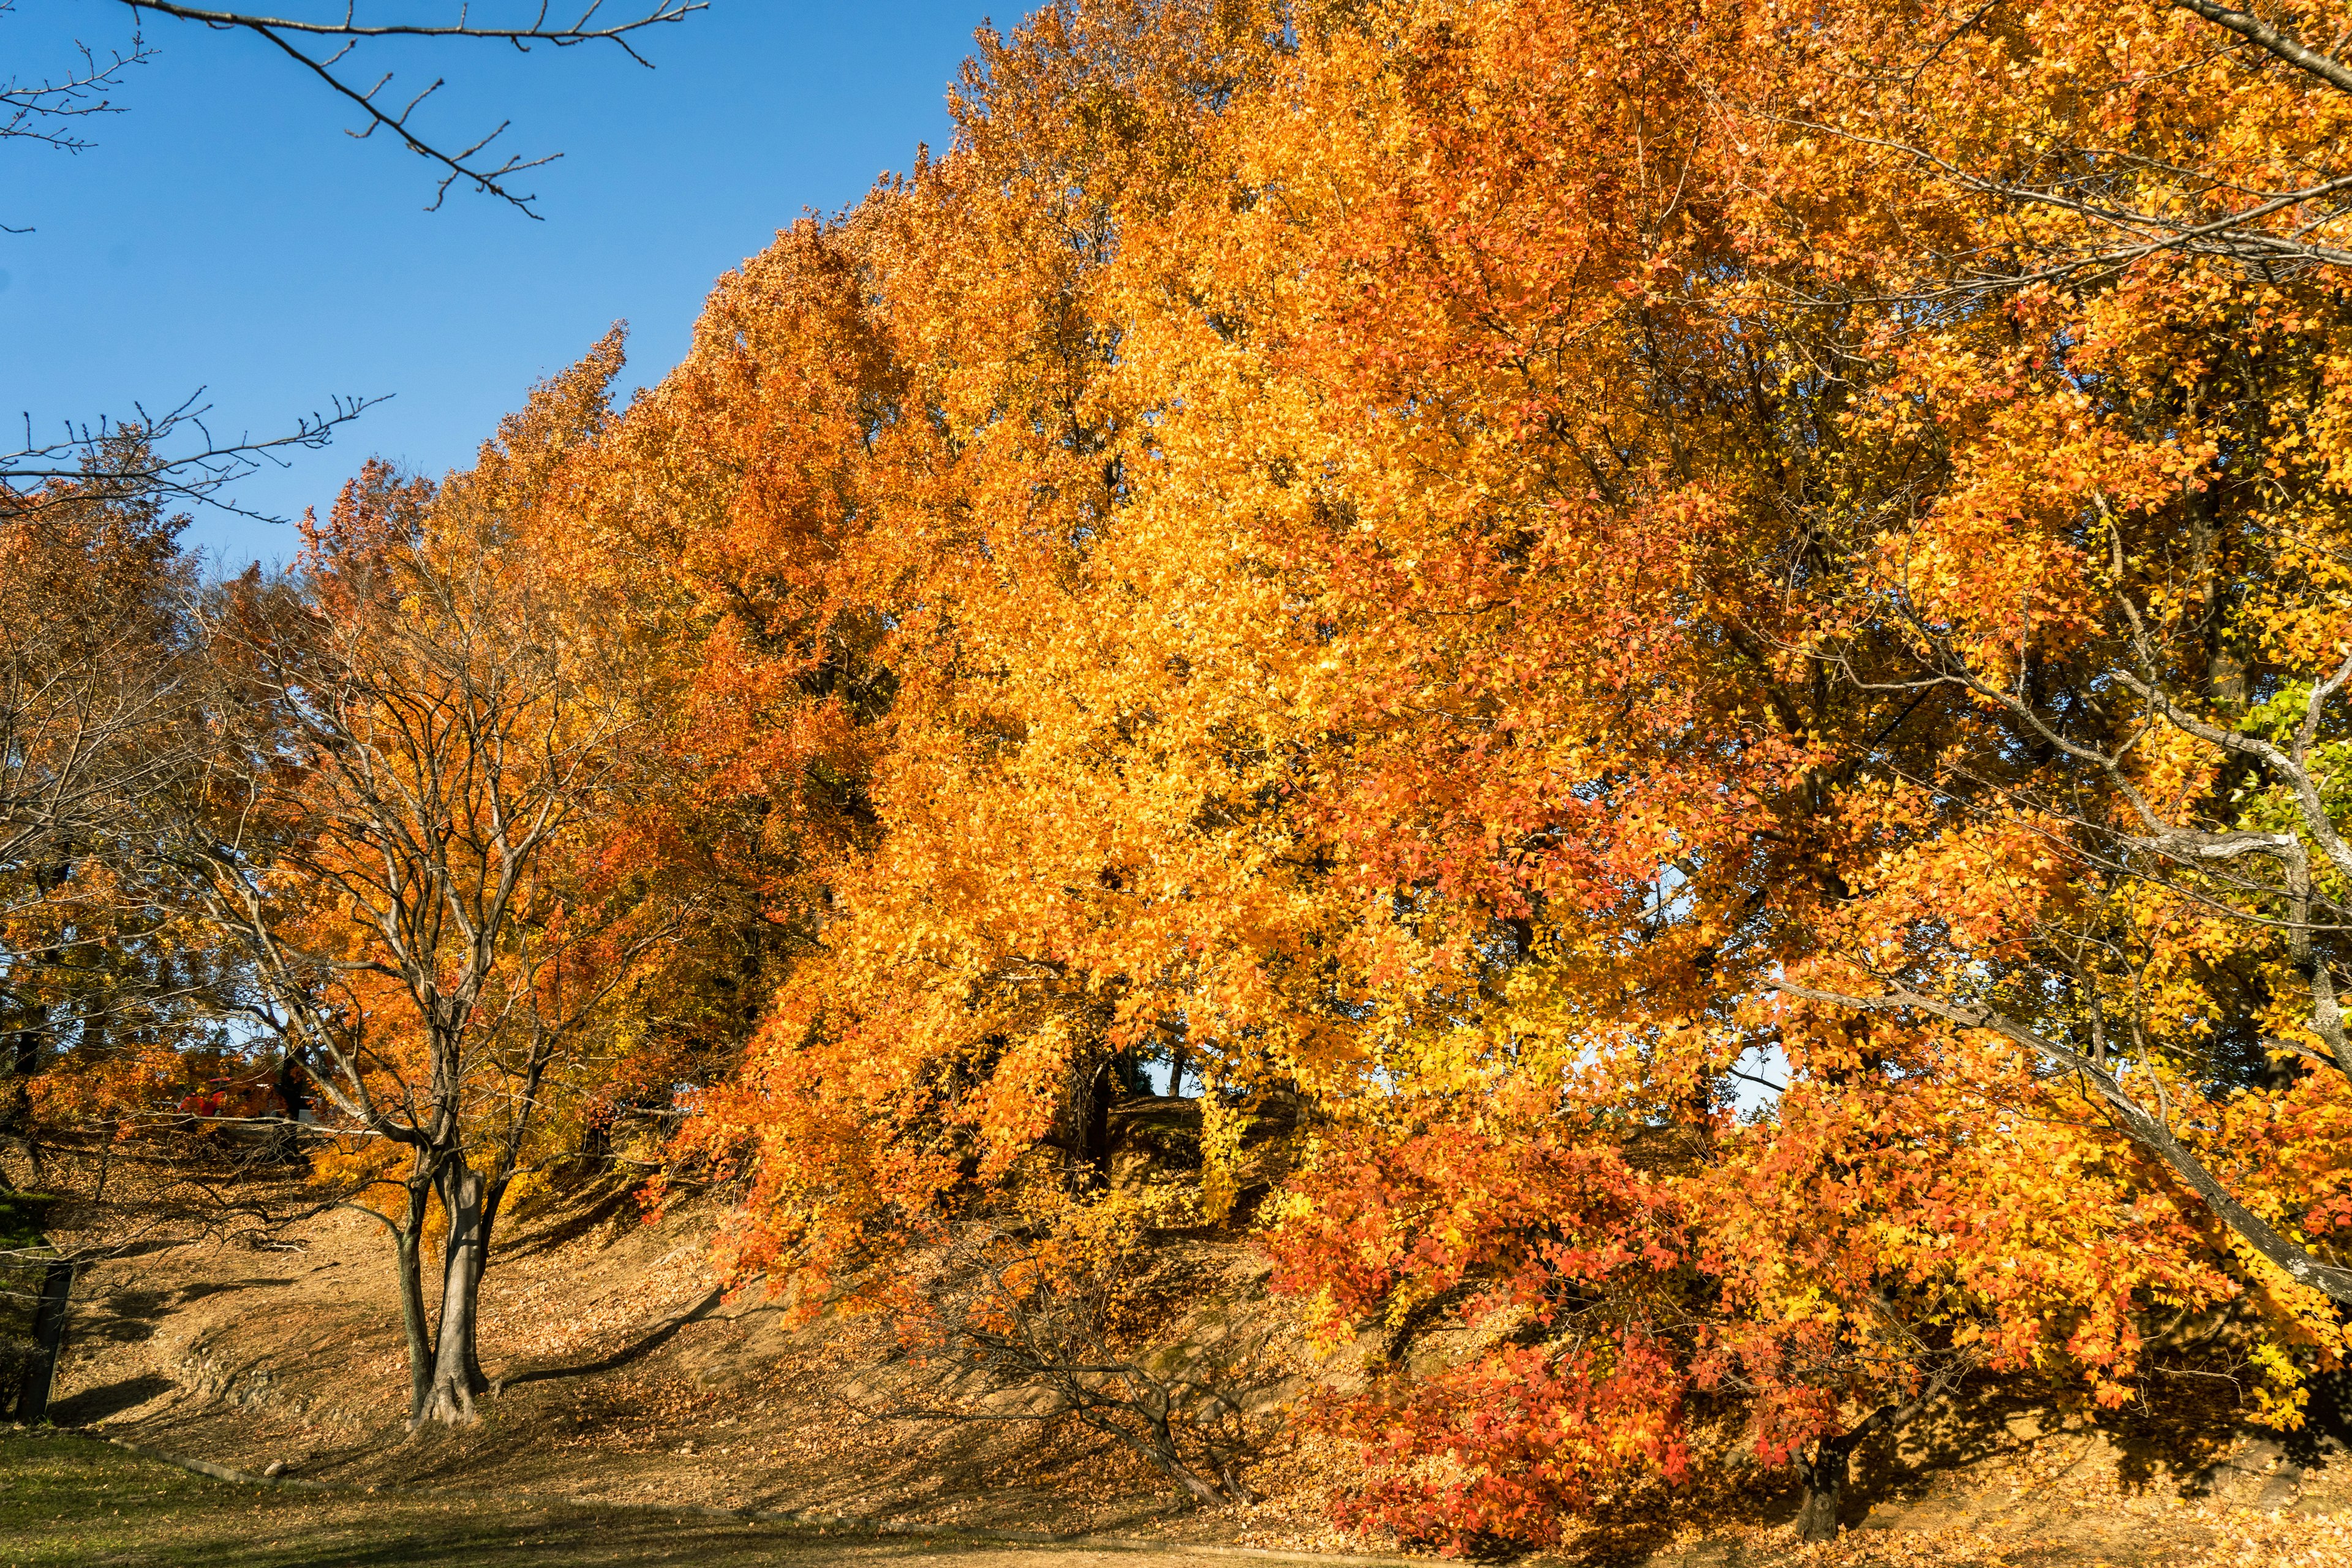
point(42, 112)
point(583, 29)
point(457, 163)
point(112, 460)
point(2263, 35)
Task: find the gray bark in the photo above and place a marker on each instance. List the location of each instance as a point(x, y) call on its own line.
point(456, 1374)
point(1825, 1474)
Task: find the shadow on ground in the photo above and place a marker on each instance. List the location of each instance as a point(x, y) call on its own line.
point(103, 1403)
point(67, 1501)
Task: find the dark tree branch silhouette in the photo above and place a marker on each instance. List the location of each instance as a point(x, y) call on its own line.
point(180, 460)
point(44, 111)
point(171, 457)
point(342, 39)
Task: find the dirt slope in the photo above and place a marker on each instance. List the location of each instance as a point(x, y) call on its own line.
point(626, 1377)
point(622, 1375)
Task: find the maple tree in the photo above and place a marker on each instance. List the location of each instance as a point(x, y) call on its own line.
point(417, 725)
point(1403, 593)
point(2137, 685)
point(1701, 645)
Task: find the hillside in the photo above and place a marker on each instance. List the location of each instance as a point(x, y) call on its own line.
point(621, 1372)
point(1486, 777)
point(624, 1375)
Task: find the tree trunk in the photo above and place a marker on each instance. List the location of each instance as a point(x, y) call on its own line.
point(407, 1237)
point(494, 1193)
point(1094, 1127)
point(24, 1059)
point(293, 1099)
point(26, 1055)
point(449, 1399)
point(1161, 1451)
point(1824, 1471)
point(1824, 1477)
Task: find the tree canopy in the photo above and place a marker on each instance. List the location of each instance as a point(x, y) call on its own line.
point(1709, 639)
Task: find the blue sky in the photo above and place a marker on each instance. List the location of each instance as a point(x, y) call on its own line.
point(223, 232)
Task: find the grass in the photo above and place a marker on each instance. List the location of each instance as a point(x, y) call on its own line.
point(71, 1500)
point(22, 1215)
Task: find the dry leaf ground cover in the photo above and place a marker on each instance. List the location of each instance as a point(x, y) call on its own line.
point(627, 1378)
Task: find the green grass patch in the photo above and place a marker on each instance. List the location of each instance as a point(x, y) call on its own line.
point(22, 1217)
point(71, 1500)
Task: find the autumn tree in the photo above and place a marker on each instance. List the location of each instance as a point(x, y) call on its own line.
point(1822, 390)
point(742, 512)
point(2131, 700)
point(98, 703)
point(1516, 459)
point(993, 973)
point(1710, 636)
point(417, 725)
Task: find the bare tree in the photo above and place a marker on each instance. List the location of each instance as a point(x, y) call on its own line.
point(410, 730)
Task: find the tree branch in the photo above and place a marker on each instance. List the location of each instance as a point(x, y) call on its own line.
point(2144, 1128)
point(2263, 35)
point(456, 164)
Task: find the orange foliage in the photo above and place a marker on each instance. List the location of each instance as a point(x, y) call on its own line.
point(1711, 634)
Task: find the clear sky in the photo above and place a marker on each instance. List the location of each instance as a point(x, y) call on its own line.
point(223, 232)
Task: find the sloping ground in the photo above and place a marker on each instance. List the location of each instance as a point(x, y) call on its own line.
point(627, 1378)
point(72, 1503)
point(623, 1376)
point(1988, 1484)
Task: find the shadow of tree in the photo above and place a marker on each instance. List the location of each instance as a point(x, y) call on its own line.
point(635, 1351)
point(98, 1404)
point(602, 1203)
point(197, 1292)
